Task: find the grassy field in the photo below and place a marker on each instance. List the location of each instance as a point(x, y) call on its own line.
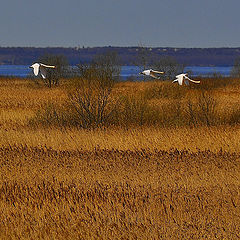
point(177, 177)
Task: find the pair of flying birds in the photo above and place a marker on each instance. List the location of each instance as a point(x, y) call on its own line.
point(181, 78)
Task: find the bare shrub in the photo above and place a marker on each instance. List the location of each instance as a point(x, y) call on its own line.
point(143, 59)
point(235, 72)
point(191, 113)
point(103, 67)
point(61, 70)
point(207, 108)
point(87, 107)
point(91, 99)
point(91, 103)
point(108, 64)
point(202, 111)
point(169, 66)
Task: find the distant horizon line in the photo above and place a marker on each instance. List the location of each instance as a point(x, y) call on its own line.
point(111, 46)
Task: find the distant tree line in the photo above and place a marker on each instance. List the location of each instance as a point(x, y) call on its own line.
point(109, 64)
point(187, 56)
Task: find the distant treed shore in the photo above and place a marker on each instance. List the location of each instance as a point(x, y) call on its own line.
point(187, 56)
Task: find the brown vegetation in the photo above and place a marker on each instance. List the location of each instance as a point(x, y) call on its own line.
point(111, 194)
point(167, 167)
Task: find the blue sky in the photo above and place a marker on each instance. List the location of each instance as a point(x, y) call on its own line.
point(162, 23)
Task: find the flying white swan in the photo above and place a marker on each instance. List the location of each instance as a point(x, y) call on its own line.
point(40, 67)
point(151, 73)
point(183, 78)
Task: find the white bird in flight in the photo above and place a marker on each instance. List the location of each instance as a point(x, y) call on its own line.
point(183, 78)
point(151, 73)
point(40, 67)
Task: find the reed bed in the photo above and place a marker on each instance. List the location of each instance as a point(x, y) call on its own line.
point(112, 194)
point(170, 178)
point(202, 138)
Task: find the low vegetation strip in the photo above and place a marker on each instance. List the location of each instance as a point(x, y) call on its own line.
point(112, 194)
point(162, 104)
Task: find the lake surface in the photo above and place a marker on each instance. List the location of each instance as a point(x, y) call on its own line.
point(127, 71)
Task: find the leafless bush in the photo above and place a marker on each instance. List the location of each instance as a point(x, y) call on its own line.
point(91, 99)
point(235, 72)
point(169, 66)
point(91, 103)
point(62, 67)
point(202, 111)
point(142, 59)
point(207, 108)
point(191, 113)
point(103, 68)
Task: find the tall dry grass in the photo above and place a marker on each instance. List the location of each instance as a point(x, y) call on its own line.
point(112, 194)
point(146, 121)
point(153, 173)
point(159, 104)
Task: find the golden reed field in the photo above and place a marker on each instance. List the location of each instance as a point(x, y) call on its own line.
point(167, 167)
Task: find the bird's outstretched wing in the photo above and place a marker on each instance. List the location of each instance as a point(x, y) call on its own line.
point(47, 66)
point(157, 72)
point(43, 72)
point(186, 82)
point(153, 75)
point(194, 81)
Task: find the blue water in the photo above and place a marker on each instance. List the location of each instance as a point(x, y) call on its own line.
point(127, 71)
point(14, 70)
point(205, 71)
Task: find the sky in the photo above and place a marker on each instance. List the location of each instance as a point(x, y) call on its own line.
point(96, 23)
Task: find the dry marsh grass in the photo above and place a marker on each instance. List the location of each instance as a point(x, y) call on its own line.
point(112, 194)
point(202, 138)
point(146, 121)
point(138, 181)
